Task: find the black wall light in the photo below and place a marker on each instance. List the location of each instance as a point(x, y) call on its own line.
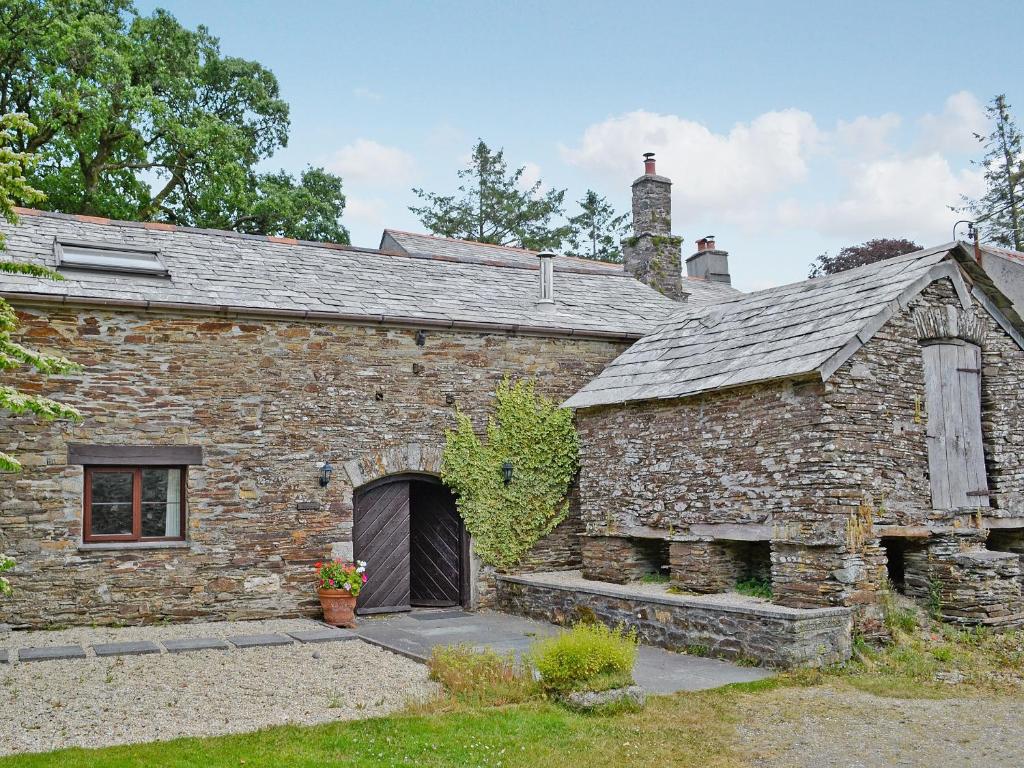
point(506, 472)
point(325, 474)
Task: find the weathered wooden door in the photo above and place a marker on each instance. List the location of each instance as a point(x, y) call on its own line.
point(956, 454)
point(380, 536)
point(435, 544)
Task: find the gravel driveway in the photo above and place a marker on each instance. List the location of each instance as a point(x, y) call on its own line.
point(97, 702)
point(826, 727)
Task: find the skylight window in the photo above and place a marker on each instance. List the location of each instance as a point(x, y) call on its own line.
point(109, 258)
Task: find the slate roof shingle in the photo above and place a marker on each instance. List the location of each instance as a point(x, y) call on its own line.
point(805, 327)
point(240, 273)
point(432, 246)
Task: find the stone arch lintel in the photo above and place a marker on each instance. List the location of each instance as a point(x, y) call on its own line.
point(412, 456)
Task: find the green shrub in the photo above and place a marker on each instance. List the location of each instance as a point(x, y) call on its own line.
point(481, 678)
point(755, 587)
point(586, 656)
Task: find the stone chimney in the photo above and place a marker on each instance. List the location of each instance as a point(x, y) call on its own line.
point(653, 255)
point(709, 263)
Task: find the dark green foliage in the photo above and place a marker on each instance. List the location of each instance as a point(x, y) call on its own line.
point(596, 230)
point(1000, 211)
point(879, 249)
point(491, 207)
point(140, 118)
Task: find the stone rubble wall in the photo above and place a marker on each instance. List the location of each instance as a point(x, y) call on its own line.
point(769, 635)
point(268, 400)
point(971, 585)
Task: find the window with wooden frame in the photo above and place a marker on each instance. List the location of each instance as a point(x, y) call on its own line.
point(134, 503)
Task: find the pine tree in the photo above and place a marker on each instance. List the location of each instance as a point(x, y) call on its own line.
point(491, 207)
point(1000, 212)
point(595, 232)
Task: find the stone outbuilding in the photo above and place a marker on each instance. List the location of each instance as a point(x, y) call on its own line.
point(823, 436)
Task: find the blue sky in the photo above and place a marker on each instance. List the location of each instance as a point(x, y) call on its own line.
point(788, 128)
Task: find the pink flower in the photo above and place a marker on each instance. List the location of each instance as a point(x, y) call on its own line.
point(364, 578)
point(331, 582)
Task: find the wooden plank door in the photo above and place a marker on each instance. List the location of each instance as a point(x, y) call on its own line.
point(956, 456)
point(435, 542)
point(380, 536)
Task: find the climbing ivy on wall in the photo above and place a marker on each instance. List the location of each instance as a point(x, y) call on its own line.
point(539, 440)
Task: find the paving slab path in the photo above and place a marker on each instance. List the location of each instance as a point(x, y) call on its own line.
point(23, 651)
point(416, 633)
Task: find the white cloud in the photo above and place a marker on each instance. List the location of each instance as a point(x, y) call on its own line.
point(953, 129)
point(365, 214)
point(711, 171)
point(869, 176)
point(371, 162)
point(868, 136)
point(898, 196)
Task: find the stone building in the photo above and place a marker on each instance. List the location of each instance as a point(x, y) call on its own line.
point(823, 435)
point(220, 372)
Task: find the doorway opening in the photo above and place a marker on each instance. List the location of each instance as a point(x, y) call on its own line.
point(408, 531)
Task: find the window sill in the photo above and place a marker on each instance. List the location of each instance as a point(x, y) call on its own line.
point(100, 546)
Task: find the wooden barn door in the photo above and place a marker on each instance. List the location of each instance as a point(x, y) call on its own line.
point(436, 547)
point(380, 536)
point(956, 452)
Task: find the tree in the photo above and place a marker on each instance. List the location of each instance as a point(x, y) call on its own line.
point(852, 256)
point(595, 232)
point(491, 207)
point(15, 188)
point(307, 209)
point(140, 118)
point(1001, 209)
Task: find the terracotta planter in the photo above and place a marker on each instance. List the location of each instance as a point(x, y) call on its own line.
point(339, 607)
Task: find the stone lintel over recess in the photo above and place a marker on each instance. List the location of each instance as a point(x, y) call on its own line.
point(734, 531)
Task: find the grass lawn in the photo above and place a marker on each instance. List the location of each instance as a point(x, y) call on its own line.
point(684, 730)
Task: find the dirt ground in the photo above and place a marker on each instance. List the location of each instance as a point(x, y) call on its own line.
point(827, 726)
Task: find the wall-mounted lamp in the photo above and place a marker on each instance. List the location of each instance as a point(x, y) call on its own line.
point(506, 472)
point(325, 474)
point(421, 338)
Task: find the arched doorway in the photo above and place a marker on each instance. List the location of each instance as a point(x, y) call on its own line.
point(409, 533)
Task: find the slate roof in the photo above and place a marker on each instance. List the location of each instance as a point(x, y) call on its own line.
point(471, 252)
point(223, 271)
point(810, 327)
point(467, 251)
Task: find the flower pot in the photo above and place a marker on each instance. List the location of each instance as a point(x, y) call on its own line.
point(339, 607)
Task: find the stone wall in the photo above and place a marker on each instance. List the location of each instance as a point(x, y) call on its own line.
point(268, 400)
point(766, 634)
point(821, 470)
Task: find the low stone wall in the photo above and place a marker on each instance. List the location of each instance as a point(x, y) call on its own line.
point(769, 634)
